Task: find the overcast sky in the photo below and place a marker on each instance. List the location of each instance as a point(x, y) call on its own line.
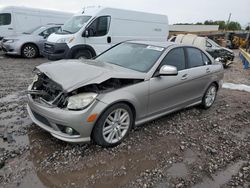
point(177, 10)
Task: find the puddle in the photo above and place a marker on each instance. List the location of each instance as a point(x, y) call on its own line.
point(178, 170)
point(189, 156)
point(221, 178)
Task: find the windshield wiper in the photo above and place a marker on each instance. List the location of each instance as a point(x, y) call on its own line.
point(66, 31)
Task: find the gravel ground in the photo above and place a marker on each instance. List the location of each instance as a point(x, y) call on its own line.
point(190, 148)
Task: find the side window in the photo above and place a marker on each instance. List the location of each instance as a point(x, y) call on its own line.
point(99, 27)
point(208, 44)
point(49, 31)
point(206, 60)
point(175, 57)
point(5, 19)
point(194, 57)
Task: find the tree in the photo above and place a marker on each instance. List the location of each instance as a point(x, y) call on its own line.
point(247, 28)
point(221, 24)
point(233, 26)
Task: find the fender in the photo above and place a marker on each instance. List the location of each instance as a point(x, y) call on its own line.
point(80, 47)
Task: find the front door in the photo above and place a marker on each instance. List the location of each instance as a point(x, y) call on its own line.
point(169, 92)
point(99, 34)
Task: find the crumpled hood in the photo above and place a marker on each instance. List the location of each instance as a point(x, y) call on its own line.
point(227, 49)
point(73, 74)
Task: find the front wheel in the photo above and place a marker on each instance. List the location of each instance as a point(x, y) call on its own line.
point(86, 54)
point(113, 125)
point(29, 51)
point(209, 97)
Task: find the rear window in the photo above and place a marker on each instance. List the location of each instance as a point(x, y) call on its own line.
point(194, 57)
point(5, 19)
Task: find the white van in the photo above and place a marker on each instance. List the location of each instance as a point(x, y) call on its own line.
point(16, 20)
point(96, 29)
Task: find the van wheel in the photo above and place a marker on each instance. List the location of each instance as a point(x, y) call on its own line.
point(209, 97)
point(113, 126)
point(29, 51)
point(86, 54)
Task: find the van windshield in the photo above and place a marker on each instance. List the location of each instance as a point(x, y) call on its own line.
point(5, 19)
point(73, 25)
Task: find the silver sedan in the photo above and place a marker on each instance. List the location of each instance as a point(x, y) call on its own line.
point(30, 43)
point(132, 83)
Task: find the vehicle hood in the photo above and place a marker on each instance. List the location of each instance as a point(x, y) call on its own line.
point(73, 74)
point(231, 51)
point(54, 37)
point(23, 37)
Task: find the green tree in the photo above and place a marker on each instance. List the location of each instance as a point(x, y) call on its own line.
point(247, 28)
point(233, 26)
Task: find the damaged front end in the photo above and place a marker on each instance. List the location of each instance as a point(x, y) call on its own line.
point(46, 91)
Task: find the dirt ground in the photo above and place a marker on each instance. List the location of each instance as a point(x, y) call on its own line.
point(190, 148)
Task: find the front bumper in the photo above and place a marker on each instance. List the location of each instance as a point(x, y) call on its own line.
point(55, 51)
point(10, 49)
point(50, 118)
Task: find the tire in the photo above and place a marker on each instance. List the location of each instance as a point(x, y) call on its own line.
point(86, 54)
point(29, 51)
point(209, 96)
point(115, 132)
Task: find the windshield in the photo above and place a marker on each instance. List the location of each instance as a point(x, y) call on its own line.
point(35, 30)
point(139, 57)
point(73, 25)
point(5, 19)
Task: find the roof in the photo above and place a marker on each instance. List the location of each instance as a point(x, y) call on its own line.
point(153, 43)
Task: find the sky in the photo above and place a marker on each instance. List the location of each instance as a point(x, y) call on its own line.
point(178, 11)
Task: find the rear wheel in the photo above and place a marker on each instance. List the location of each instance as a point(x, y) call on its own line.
point(86, 54)
point(113, 125)
point(29, 51)
point(209, 97)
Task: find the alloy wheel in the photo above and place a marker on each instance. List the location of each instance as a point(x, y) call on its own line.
point(116, 126)
point(210, 96)
point(29, 52)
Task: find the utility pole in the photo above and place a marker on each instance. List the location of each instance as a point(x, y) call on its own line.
point(228, 21)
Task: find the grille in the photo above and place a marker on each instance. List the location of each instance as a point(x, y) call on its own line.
point(46, 88)
point(48, 48)
point(41, 119)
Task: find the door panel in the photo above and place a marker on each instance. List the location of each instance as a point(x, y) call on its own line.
point(168, 92)
point(99, 34)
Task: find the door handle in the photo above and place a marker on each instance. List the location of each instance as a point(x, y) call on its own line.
point(184, 77)
point(208, 70)
point(10, 28)
point(109, 39)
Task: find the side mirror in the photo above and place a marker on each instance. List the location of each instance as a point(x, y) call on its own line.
point(168, 70)
point(86, 33)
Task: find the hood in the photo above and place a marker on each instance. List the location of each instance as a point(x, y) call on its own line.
point(54, 37)
point(73, 74)
point(20, 37)
point(231, 51)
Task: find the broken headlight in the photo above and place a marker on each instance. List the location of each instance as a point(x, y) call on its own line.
point(80, 101)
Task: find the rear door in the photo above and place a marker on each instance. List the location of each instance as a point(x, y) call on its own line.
point(199, 70)
point(99, 34)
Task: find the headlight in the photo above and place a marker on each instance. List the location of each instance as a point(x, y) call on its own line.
point(66, 40)
point(35, 79)
point(80, 101)
point(10, 40)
